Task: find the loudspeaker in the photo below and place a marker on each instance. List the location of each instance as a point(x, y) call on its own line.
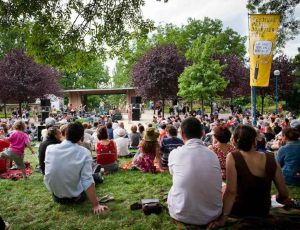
point(136, 100)
point(44, 116)
point(39, 132)
point(45, 102)
point(136, 114)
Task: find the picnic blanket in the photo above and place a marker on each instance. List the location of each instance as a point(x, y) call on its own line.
point(16, 174)
point(279, 218)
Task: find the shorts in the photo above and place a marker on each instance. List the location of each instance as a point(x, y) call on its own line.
point(17, 158)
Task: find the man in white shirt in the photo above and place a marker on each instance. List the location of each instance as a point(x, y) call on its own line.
point(68, 170)
point(195, 196)
point(122, 143)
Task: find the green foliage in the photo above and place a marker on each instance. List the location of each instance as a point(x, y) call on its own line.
point(95, 75)
point(202, 80)
point(289, 26)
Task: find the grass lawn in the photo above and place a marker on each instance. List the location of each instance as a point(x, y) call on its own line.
point(26, 204)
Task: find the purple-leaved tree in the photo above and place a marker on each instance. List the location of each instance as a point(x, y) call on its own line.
point(155, 75)
point(23, 80)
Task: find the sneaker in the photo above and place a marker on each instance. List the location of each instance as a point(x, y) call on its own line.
point(97, 168)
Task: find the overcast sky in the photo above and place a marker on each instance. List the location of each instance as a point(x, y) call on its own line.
point(232, 13)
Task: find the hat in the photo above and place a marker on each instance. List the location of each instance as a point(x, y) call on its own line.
point(151, 134)
point(121, 132)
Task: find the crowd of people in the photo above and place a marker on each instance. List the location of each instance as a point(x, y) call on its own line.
point(219, 167)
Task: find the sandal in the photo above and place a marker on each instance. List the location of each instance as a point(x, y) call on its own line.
point(106, 199)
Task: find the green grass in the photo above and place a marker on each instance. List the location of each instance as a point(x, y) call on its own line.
point(26, 204)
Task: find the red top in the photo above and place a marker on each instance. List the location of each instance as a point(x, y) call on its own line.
point(106, 154)
point(3, 145)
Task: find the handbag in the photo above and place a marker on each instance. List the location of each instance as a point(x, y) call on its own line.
point(150, 206)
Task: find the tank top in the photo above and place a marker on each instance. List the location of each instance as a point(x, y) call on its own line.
point(106, 154)
point(253, 192)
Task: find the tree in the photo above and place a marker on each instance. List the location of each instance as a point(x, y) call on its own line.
point(23, 80)
point(71, 32)
point(236, 74)
point(289, 26)
point(286, 79)
point(202, 80)
point(155, 75)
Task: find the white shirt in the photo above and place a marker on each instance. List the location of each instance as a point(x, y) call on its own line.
point(122, 144)
point(68, 169)
point(195, 196)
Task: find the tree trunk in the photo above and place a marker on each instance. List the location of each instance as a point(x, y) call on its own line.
point(5, 114)
point(163, 108)
point(211, 108)
point(202, 105)
point(262, 103)
point(191, 106)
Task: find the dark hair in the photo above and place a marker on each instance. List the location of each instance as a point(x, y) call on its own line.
point(74, 132)
point(244, 136)
point(291, 134)
point(163, 126)
point(149, 147)
point(192, 128)
point(109, 125)
point(298, 128)
point(172, 131)
point(52, 132)
point(222, 134)
point(133, 129)
point(141, 128)
point(102, 133)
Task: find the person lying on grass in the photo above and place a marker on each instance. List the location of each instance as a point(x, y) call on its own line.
point(68, 170)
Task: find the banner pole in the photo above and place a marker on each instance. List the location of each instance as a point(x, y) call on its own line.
point(253, 105)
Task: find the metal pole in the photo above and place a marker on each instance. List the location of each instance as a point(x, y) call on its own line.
point(253, 103)
point(276, 94)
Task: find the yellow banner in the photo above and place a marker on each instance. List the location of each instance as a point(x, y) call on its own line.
point(262, 31)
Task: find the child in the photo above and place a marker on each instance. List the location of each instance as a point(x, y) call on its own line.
point(18, 141)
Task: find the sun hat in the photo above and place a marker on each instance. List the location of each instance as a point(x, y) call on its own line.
point(121, 132)
point(151, 134)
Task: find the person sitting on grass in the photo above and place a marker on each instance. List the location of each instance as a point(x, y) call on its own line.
point(149, 151)
point(106, 151)
point(134, 137)
point(195, 196)
point(221, 146)
point(122, 143)
point(289, 156)
point(18, 141)
point(168, 144)
point(68, 170)
point(249, 176)
point(53, 137)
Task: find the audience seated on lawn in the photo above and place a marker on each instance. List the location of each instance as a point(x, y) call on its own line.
point(149, 152)
point(249, 176)
point(221, 146)
point(168, 144)
point(195, 196)
point(106, 151)
point(68, 170)
point(289, 156)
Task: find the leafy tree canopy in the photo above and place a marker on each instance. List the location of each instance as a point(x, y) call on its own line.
point(202, 80)
point(156, 74)
point(23, 80)
point(289, 26)
point(71, 32)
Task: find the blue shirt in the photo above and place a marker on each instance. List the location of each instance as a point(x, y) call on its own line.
point(68, 169)
point(289, 159)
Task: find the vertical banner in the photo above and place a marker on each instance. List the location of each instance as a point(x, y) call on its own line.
point(262, 31)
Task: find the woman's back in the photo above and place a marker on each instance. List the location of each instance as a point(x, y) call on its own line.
point(106, 152)
point(254, 178)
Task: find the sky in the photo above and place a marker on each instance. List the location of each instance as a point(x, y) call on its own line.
point(232, 13)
